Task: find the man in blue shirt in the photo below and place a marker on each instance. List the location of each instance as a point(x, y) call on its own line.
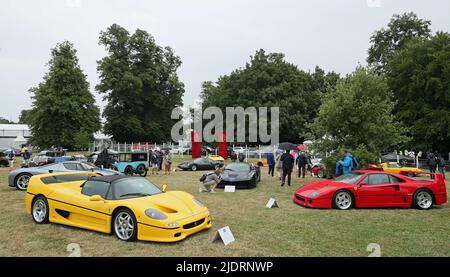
point(271, 163)
point(345, 166)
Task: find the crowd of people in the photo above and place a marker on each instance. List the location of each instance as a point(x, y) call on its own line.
point(160, 160)
point(436, 163)
point(285, 162)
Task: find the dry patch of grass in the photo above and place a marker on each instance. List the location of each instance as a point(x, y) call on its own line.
point(288, 231)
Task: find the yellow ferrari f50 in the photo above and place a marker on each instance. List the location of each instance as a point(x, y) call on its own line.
point(132, 208)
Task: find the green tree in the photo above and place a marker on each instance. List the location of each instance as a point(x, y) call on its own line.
point(5, 121)
point(419, 76)
point(24, 117)
point(269, 81)
point(400, 30)
point(63, 110)
point(140, 83)
point(358, 115)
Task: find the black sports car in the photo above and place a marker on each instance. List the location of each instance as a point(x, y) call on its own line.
point(240, 175)
point(201, 164)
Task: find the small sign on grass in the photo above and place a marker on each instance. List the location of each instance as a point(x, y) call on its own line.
point(225, 235)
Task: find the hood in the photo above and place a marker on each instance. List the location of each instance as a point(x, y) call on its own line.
point(176, 205)
point(322, 186)
point(106, 172)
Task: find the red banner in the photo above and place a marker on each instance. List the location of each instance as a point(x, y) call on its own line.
point(223, 145)
point(196, 145)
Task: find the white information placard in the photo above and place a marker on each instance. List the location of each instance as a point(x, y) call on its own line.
point(230, 189)
point(272, 203)
point(225, 235)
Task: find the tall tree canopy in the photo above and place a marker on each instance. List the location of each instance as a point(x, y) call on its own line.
point(400, 30)
point(419, 76)
point(63, 109)
point(140, 83)
point(269, 81)
point(358, 115)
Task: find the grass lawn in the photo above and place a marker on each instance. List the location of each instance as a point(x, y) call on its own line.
point(288, 231)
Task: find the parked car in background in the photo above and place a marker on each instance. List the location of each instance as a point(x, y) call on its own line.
point(393, 167)
point(4, 161)
point(94, 158)
point(19, 178)
point(201, 164)
point(49, 157)
point(240, 175)
point(130, 163)
point(180, 150)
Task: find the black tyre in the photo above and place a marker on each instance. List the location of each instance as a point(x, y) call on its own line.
point(410, 174)
point(141, 170)
point(124, 225)
point(253, 182)
point(128, 171)
point(194, 167)
point(321, 174)
point(423, 199)
point(343, 200)
point(22, 180)
point(40, 210)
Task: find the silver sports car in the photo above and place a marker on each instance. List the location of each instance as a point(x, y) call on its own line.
point(19, 178)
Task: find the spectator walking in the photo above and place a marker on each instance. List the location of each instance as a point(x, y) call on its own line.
point(279, 166)
point(441, 165)
point(26, 157)
point(167, 162)
point(271, 163)
point(11, 157)
point(432, 163)
point(288, 166)
point(302, 162)
point(155, 162)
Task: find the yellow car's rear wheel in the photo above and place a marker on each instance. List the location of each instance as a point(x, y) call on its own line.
point(125, 225)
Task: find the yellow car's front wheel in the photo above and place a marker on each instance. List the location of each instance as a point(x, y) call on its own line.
point(40, 210)
point(125, 225)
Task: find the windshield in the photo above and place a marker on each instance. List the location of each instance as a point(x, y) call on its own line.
point(89, 166)
point(238, 167)
point(134, 187)
point(349, 178)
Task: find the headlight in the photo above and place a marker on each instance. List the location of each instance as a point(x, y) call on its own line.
point(155, 214)
point(314, 194)
point(200, 203)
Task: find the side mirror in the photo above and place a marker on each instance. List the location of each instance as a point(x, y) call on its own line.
point(164, 188)
point(96, 198)
point(362, 184)
point(50, 171)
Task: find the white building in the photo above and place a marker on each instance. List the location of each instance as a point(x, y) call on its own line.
point(13, 135)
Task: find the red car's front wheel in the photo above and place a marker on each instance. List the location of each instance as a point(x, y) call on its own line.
point(343, 200)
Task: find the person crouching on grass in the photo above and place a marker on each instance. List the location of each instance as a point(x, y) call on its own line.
point(210, 182)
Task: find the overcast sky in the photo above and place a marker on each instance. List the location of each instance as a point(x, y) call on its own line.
point(212, 37)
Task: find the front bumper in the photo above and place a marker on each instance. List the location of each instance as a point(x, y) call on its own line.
point(238, 184)
point(187, 227)
point(321, 203)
